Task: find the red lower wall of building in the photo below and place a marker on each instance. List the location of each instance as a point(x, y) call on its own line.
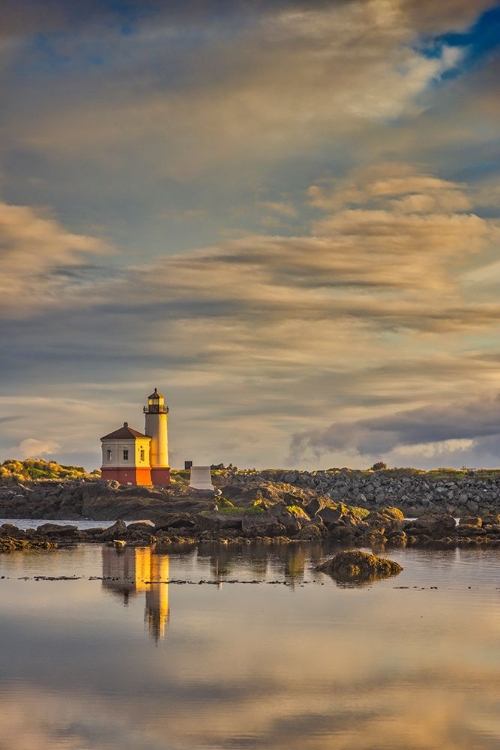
point(126, 475)
point(161, 476)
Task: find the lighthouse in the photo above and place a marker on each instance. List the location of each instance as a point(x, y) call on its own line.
point(129, 457)
point(157, 429)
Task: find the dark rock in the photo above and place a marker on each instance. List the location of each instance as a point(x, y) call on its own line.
point(330, 515)
point(56, 530)
point(470, 521)
point(434, 525)
point(397, 539)
point(292, 523)
point(374, 538)
point(215, 522)
point(313, 532)
point(9, 530)
point(261, 524)
point(117, 531)
point(342, 533)
point(140, 526)
point(94, 534)
point(175, 521)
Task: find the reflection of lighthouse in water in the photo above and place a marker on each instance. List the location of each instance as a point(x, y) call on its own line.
point(157, 611)
point(135, 570)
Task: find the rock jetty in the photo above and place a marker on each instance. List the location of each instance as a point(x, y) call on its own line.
point(415, 492)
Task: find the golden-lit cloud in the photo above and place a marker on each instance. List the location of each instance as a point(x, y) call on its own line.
point(39, 258)
point(373, 259)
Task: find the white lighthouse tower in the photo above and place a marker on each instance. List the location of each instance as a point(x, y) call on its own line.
point(157, 429)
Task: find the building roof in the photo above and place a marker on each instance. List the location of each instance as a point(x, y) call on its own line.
point(155, 394)
point(124, 433)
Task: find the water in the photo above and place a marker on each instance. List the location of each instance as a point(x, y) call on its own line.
point(282, 657)
point(30, 523)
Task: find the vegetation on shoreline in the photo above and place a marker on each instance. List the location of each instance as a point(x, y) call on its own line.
point(35, 469)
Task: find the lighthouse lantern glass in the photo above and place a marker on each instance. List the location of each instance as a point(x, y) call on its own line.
point(155, 403)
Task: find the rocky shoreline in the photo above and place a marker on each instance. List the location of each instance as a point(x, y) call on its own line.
point(342, 507)
point(414, 493)
point(258, 511)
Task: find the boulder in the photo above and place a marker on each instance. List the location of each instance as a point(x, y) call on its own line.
point(433, 525)
point(330, 515)
point(214, 521)
point(312, 532)
point(358, 566)
point(292, 523)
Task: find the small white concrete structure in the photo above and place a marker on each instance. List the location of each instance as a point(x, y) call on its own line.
point(200, 478)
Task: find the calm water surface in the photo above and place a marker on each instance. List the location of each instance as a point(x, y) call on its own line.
point(134, 652)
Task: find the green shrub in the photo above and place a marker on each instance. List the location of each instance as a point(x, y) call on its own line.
point(35, 469)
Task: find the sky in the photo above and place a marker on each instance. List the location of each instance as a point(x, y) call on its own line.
point(283, 214)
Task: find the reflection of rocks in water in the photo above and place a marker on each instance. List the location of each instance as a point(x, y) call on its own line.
point(220, 562)
point(352, 566)
point(260, 557)
point(135, 570)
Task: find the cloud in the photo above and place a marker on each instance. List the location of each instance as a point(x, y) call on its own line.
point(369, 261)
point(42, 263)
point(31, 448)
point(349, 318)
point(399, 185)
point(355, 65)
point(430, 431)
point(381, 264)
point(279, 207)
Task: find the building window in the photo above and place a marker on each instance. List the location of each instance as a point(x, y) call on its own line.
point(125, 454)
point(142, 454)
point(109, 454)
